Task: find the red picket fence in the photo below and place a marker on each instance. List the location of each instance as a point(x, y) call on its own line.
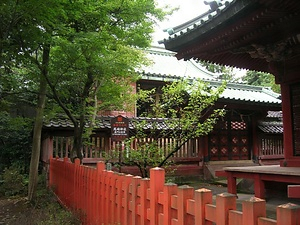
point(105, 197)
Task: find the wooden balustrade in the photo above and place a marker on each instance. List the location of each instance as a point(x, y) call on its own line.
point(271, 146)
point(104, 197)
point(100, 145)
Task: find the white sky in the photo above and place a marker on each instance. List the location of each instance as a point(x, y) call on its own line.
point(189, 9)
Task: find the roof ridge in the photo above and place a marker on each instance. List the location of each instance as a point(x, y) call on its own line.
point(160, 51)
point(269, 91)
point(197, 21)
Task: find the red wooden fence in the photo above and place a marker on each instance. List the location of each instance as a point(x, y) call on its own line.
point(104, 197)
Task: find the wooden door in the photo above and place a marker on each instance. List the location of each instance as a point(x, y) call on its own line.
point(230, 140)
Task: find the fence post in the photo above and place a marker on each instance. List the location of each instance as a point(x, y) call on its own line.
point(252, 209)
point(224, 203)
point(108, 193)
point(157, 181)
point(169, 190)
point(145, 184)
point(185, 192)
point(113, 197)
point(64, 181)
point(100, 190)
point(94, 195)
point(127, 182)
point(288, 214)
point(135, 200)
point(202, 197)
point(76, 185)
point(119, 197)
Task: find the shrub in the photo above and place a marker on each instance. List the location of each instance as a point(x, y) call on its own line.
point(13, 182)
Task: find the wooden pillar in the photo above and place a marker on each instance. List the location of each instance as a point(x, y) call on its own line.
point(205, 149)
point(231, 183)
point(255, 141)
point(287, 121)
point(259, 186)
point(47, 149)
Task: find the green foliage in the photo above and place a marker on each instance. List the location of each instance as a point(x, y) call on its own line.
point(261, 79)
point(49, 211)
point(189, 105)
point(190, 109)
point(53, 212)
point(225, 72)
point(13, 182)
point(94, 60)
point(146, 154)
point(15, 141)
point(186, 110)
point(44, 210)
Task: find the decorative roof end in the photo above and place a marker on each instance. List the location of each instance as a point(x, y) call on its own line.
point(214, 5)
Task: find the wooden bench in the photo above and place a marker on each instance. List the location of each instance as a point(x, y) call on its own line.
point(260, 174)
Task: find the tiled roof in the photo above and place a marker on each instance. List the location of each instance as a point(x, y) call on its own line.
point(217, 7)
point(166, 66)
point(272, 123)
point(248, 93)
point(241, 33)
point(103, 123)
point(275, 114)
point(271, 127)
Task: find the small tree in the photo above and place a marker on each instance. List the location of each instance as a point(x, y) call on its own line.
point(185, 111)
point(261, 79)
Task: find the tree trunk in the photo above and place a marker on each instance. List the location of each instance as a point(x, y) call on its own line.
point(38, 124)
point(36, 145)
point(77, 145)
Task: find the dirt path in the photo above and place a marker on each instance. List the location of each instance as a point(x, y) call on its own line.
point(14, 210)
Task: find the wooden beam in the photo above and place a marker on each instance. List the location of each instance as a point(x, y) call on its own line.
point(294, 191)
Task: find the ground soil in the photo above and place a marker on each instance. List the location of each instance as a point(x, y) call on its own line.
point(17, 210)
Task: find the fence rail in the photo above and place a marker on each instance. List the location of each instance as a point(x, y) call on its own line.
point(99, 145)
point(271, 145)
point(104, 197)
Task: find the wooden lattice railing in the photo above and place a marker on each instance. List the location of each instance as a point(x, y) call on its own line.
point(100, 145)
point(104, 197)
point(271, 146)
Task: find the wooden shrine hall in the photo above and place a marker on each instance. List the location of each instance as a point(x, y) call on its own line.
point(260, 35)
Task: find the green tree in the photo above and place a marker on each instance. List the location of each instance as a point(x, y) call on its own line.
point(187, 111)
point(49, 36)
point(225, 72)
point(261, 79)
point(15, 142)
point(26, 32)
point(96, 61)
